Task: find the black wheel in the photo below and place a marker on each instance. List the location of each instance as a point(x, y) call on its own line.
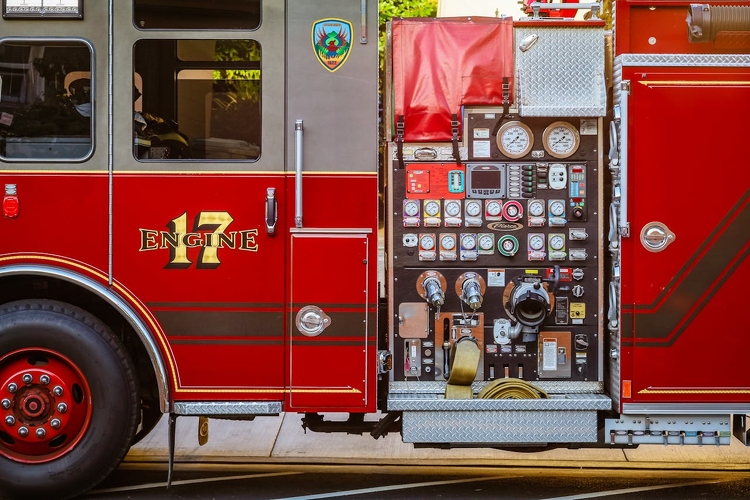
point(68, 400)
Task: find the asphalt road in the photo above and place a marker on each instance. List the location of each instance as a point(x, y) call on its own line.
point(307, 482)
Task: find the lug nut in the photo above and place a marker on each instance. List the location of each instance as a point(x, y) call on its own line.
point(58, 390)
point(55, 423)
point(27, 378)
point(62, 407)
point(44, 379)
point(23, 432)
point(12, 388)
point(40, 433)
point(10, 420)
point(6, 403)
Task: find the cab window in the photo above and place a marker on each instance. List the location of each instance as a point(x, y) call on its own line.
point(197, 100)
point(45, 100)
point(197, 14)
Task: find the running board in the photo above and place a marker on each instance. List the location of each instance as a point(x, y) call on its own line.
point(563, 418)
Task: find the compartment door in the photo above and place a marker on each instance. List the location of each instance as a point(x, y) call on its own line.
point(328, 321)
point(685, 265)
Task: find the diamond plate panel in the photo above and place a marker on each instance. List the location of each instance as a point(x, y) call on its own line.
point(555, 404)
point(549, 386)
point(562, 74)
point(520, 427)
point(232, 408)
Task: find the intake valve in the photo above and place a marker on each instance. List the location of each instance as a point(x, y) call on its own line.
point(470, 288)
point(431, 285)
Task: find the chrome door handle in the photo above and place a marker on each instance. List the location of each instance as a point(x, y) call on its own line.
point(298, 150)
point(271, 212)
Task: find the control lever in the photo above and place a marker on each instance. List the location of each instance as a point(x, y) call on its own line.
point(271, 213)
point(446, 348)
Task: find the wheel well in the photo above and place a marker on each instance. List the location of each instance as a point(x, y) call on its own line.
point(20, 287)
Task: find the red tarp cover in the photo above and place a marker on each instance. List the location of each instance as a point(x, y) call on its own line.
point(440, 64)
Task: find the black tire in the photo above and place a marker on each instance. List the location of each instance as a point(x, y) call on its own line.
point(84, 355)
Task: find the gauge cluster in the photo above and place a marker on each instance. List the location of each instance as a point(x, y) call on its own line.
point(519, 215)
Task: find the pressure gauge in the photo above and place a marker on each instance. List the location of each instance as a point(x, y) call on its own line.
point(452, 208)
point(473, 208)
point(536, 241)
point(427, 242)
point(508, 245)
point(556, 208)
point(536, 208)
point(561, 139)
point(486, 242)
point(556, 241)
point(493, 208)
point(468, 241)
point(515, 139)
point(411, 208)
point(448, 241)
point(512, 211)
point(432, 208)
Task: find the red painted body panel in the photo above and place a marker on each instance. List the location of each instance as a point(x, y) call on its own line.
point(683, 329)
point(226, 323)
point(61, 215)
point(659, 27)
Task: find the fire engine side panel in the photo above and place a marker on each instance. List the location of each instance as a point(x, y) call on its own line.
point(684, 265)
point(62, 205)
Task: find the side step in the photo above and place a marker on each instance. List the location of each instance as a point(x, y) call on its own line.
point(429, 418)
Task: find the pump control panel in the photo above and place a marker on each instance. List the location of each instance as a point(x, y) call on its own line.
point(503, 248)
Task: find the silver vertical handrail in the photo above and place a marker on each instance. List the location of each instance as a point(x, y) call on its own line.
point(624, 228)
point(298, 149)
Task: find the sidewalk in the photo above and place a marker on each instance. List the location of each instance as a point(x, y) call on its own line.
point(282, 439)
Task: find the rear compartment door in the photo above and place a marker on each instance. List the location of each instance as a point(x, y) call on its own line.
point(685, 267)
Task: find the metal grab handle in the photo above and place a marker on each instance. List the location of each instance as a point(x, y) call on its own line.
point(595, 7)
point(624, 226)
point(298, 149)
point(271, 212)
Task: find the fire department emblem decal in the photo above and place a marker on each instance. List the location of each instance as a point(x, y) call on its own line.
point(332, 42)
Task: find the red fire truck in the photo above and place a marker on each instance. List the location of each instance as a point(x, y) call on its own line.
point(190, 225)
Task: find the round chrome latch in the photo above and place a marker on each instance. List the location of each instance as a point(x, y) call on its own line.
point(656, 236)
point(311, 321)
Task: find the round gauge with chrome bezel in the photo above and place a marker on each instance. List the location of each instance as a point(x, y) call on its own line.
point(556, 208)
point(556, 241)
point(536, 241)
point(507, 245)
point(493, 208)
point(432, 208)
point(452, 208)
point(411, 208)
point(468, 241)
point(536, 208)
point(473, 208)
point(486, 242)
point(515, 139)
point(561, 139)
point(448, 241)
point(427, 241)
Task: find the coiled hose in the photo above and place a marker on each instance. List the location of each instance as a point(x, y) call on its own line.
point(511, 388)
point(705, 21)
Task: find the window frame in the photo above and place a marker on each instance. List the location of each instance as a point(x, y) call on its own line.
point(50, 41)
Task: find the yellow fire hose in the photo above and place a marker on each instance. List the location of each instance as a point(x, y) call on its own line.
point(465, 357)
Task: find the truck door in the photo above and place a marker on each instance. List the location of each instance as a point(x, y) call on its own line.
point(198, 203)
point(332, 164)
point(685, 268)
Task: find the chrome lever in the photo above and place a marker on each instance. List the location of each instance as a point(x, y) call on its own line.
point(271, 212)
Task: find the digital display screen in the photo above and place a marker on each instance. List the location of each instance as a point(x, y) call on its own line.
point(43, 9)
point(486, 179)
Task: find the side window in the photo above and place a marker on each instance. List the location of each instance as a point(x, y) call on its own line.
point(197, 100)
point(45, 100)
point(197, 14)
